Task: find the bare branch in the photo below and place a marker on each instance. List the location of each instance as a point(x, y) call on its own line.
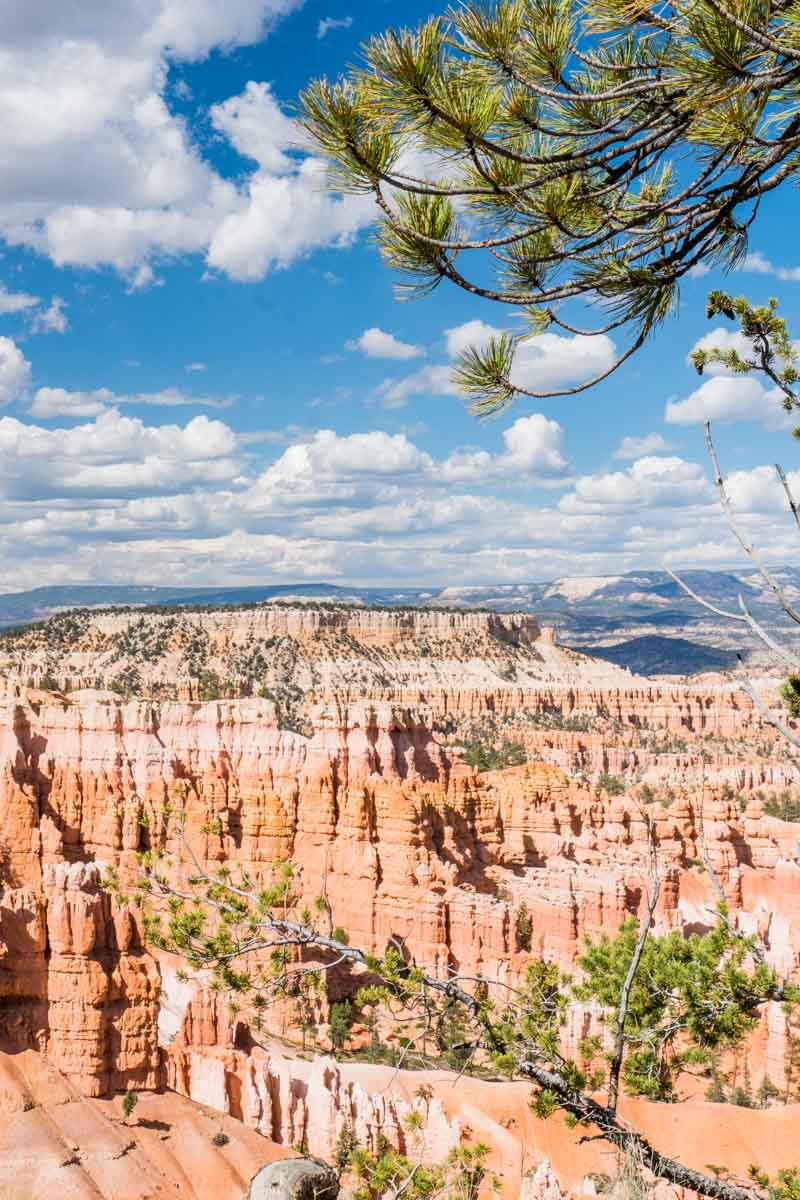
point(795, 511)
point(769, 716)
point(767, 639)
point(747, 546)
point(720, 612)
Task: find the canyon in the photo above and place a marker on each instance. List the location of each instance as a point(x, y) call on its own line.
point(358, 766)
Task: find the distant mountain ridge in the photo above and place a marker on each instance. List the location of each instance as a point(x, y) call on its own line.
point(596, 614)
point(652, 592)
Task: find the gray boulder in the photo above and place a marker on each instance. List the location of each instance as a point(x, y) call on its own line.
point(295, 1179)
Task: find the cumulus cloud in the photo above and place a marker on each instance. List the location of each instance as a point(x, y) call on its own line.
point(49, 403)
point(15, 371)
point(88, 84)
point(724, 396)
point(636, 447)
point(330, 466)
point(534, 448)
point(723, 339)
point(759, 490)
point(730, 398)
point(376, 343)
point(429, 381)
point(371, 506)
point(543, 363)
point(199, 499)
point(284, 210)
point(113, 456)
point(669, 482)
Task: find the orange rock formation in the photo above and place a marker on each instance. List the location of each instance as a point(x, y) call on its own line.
point(405, 839)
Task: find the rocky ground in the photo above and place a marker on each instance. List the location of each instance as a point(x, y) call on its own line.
point(56, 1144)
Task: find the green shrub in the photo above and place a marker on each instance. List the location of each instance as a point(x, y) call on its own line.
point(790, 694)
point(341, 1023)
point(484, 756)
point(742, 1098)
point(782, 806)
point(129, 1102)
point(523, 927)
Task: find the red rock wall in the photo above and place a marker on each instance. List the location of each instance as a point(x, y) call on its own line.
point(76, 982)
point(404, 841)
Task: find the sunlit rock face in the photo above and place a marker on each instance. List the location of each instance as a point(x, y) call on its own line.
point(375, 804)
point(76, 982)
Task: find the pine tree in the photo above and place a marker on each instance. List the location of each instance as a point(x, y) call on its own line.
point(528, 151)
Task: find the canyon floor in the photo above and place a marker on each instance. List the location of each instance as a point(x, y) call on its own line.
point(436, 772)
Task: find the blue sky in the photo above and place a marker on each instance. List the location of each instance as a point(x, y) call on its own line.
point(205, 375)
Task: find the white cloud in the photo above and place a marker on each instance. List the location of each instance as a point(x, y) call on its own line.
point(725, 396)
point(142, 278)
point(730, 398)
point(199, 500)
point(15, 371)
point(533, 449)
point(284, 210)
point(49, 403)
point(429, 381)
point(471, 333)
point(282, 219)
point(114, 456)
point(197, 366)
point(87, 83)
point(534, 444)
point(255, 124)
point(193, 27)
point(759, 489)
point(309, 471)
point(172, 397)
point(544, 362)
point(14, 302)
point(375, 343)
point(635, 447)
point(327, 24)
point(52, 319)
point(759, 264)
point(720, 338)
point(369, 506)
point(666, 482)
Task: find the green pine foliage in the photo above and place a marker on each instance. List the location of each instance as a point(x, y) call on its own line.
point(129, 1102)
point(485, 755)
point(611, 784)
point(790, 692)
point(770, 352)
point(543, 152)
point(689, 999)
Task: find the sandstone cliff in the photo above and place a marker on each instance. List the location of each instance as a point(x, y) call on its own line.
point(408, 841)
point(378, 808)
point(292, 653)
